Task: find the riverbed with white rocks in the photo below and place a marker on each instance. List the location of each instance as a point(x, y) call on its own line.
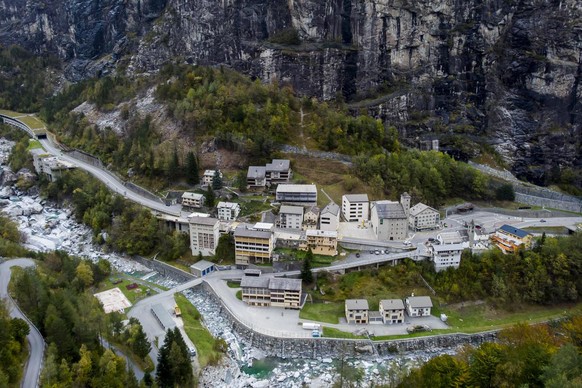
point(47, 227)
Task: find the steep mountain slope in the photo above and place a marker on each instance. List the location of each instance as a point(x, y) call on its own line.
point(504, 72)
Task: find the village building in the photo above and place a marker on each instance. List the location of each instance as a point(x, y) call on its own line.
point(311, 218)
point(204, 234)
point(446, 255)
point(389, 219)
point(256, 177)
point(329, 217)
point(253, 244)
point(50, 166)
point(423, 217)
point(228, 211)
point(290, 217)
point(509, 238)
point(278, 171)
point(356, 311)
point(208, 176)
point(321, 242)
point(392, 311)
point(192, 200)
point(296, 194)
point(271, 291)
point(202, 268)
point(418, 306)
point(355, 207)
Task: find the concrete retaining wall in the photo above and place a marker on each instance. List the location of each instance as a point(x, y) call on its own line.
point(165, 269)
point(332, 347)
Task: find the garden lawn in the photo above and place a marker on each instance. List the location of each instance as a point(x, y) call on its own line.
point(197, 333)
point(322, 312)
point(330, 332)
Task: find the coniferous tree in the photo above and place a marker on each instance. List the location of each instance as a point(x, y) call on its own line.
point(192, 169)
point(306, 274)
point(209, 196)
point(141, 345)
point(217, 180)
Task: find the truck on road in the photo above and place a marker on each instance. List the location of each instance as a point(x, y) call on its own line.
point(311, 326)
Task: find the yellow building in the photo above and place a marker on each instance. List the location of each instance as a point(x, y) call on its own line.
point(252, 245)
point(509, 238)
point(321, 242)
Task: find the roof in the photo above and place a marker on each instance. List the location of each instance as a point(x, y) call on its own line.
point(332, 208)
point(189, 195)
point(419, 208)
point(242, 231)
point(278, 165)
point(202, 265)
point(210, 173)
point(357, 304)
point(203, 220)
point(230, 205)
point(197, 214)
point(419, 301)
point(389, 210)
point(448, 247)
point(356, 197)
point(450, 237)
point(255, 172)
point(313, 209)
point(374, 314)
point(263, 226)
point(255, 281)
point(163, 316)
point(515, 231)
point(291, 188)
point(322, 233)
point(291, 209)
point(392, 304)
point(252, 271)
point(285, 284)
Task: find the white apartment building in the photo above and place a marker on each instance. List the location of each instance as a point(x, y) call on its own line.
point(204, 235)
point(418, 306)
point(193, 200)
point(228, 211)
point(446, 255)
point(290, 217)
point(329, 217)
point(355, 207)
point(423, 217)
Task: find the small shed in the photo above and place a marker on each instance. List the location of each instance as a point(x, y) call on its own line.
point(202, 268)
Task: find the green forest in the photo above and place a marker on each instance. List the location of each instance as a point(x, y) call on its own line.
point(57, 297)
point(13, 347)
point(546, 355)
point(549, 274)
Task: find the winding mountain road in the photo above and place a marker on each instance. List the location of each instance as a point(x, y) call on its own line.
point(35, 340)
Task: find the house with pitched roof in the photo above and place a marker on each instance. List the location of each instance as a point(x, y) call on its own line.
point(418, 306)
point(389, 219)
point(509, 238)
point(356, 310)
point(392, 311)
point(423, 217)
point(290, 217)
point(271, 291)
point(311, 217)
point(329, 217)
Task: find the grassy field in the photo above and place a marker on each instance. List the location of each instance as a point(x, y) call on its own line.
point(322, 312)
point(329, 175)
point(232, 284)
point(33, 144)
point(32, 122)
point(133, 295)
point(202, 339)
point(335, 333)
point(9, 113)
point(296, 254)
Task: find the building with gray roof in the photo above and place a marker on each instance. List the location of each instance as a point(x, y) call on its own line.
point(355, 207)
point(418, 306)
point(329, 217)
point(389, 220)
point(298, 194)
point(356, 310)
point(271, 291)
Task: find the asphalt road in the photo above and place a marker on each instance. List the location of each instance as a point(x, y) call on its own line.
point(35, 340)
point(111, 181)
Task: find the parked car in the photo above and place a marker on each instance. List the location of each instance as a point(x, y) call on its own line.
point(377, 252)
point(357, 254)
point(542, 220)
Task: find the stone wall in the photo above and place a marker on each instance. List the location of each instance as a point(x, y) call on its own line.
point(165, 269)
point(85, 157)
point(332, 347)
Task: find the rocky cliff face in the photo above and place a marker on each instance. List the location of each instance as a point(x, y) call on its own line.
point(507, 71)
